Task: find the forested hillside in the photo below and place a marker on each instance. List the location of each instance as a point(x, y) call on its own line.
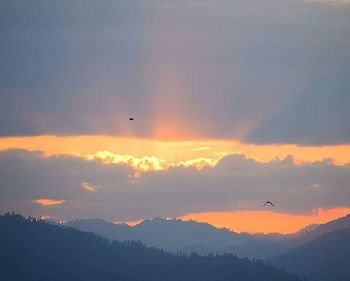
point(36, 250)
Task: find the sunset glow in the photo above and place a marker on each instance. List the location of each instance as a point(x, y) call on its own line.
point(266, 221)
point(48, 202)
point(145, 155)
point(199, 110)
point(153, 155)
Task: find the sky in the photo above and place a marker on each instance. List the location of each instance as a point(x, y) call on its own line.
point(234, 103)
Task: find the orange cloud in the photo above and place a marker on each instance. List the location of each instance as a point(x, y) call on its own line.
point(153, 155)
point(145, 163)
point(198, 163)
point(150, 163)
point(48, 202)
point(266, 221)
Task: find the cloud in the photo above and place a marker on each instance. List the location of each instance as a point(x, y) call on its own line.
point(48, 202)
point(162, 154)
point(315, 185)
point(145, 163)
point(236, 183)
point(259, 71)
point(90, 187)
point(151, 163)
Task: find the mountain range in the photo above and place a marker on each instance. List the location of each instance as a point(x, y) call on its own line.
point(34, 250)
point(170, 234)
point(175, 235)
point(36, 247)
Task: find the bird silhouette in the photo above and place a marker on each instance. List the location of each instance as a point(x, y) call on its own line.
point(269, 202)
point(131, 118)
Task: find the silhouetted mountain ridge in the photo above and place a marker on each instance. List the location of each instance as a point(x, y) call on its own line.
point(325, 258)
point(34, 250)
point(319, 230)
point(190, 236)
point(278, 244)
point(170, 234)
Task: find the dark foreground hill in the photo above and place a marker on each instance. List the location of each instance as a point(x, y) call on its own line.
point(36, 250)
point(327, 258)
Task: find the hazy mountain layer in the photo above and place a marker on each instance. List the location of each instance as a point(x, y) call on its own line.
point(177, 235)
point(172, 235)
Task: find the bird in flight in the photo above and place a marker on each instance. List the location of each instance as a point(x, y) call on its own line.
point(269, 202)
point(131, 118)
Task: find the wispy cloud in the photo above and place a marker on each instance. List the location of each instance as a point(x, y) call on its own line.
point(315, 185)
point(90, 187)
point(49, 202)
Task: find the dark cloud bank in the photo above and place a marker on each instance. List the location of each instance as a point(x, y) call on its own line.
point(235, 183)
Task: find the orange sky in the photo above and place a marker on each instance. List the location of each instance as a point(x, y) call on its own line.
point(150, 154)
point(266, 221)
point(263, 221)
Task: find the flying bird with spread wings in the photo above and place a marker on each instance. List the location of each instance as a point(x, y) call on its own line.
point(269, 202)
